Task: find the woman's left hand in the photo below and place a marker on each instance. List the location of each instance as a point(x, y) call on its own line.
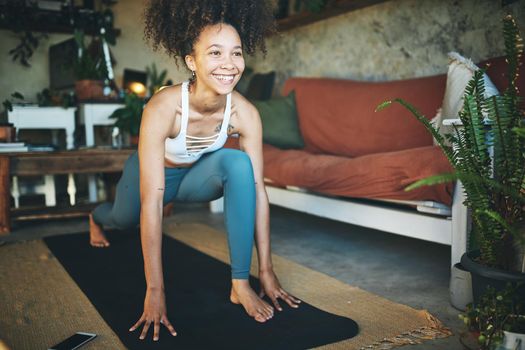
point(271, 287)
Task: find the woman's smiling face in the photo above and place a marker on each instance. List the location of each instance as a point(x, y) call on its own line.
point(217, 58)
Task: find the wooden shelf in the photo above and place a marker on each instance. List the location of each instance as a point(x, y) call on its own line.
point(57, 212)
point(60, 29)
point(46, 21)
point(338, 8)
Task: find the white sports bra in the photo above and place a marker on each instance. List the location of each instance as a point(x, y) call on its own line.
point(185, 148)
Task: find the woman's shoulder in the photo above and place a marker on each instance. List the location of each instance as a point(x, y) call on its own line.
point(242, 105)
point(165, 100)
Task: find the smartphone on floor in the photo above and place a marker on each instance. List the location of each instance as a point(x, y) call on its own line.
point(74, 342)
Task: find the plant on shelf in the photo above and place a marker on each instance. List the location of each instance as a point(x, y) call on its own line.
point(50, 98)
point(494, 186)
point(128, 118)
point(155, 79)
point(496, 314)
point(88, 67)
point(15, 97)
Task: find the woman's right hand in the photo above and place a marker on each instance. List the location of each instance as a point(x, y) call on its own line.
point(154, 312)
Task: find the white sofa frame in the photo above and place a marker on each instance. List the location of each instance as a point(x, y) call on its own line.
point(451, 230)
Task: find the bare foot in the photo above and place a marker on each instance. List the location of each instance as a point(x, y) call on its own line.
point(96, 235)
point(243, 294)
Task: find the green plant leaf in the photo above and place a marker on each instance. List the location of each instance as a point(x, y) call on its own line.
point(433, 180)
point(383, 105)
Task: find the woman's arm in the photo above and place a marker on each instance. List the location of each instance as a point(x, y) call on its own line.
point(153, 132)
point(250, 141)
point(151, 157)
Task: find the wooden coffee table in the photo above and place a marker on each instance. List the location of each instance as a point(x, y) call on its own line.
point(86, 161)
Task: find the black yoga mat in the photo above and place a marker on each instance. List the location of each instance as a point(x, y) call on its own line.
point(197, 290)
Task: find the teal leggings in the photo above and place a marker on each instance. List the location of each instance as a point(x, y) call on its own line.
point(225, 172)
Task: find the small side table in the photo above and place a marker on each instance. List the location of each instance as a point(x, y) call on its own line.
point(34, 117)
point(92, 114)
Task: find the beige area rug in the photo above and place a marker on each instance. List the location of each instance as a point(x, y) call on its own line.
point(41, 305)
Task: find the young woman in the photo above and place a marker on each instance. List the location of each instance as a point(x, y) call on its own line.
point(180, 150)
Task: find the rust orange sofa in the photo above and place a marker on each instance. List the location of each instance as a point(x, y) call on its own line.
point(353, 151)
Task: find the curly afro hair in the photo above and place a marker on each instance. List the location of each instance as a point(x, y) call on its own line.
point(175, 25)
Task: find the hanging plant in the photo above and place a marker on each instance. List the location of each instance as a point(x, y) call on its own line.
point(27, 46)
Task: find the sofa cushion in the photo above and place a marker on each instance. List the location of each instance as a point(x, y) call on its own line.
point(279, 122)
point(382, 175)
point(338, 117)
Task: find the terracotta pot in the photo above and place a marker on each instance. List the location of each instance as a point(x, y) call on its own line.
point(7, 133)
point(89, 89)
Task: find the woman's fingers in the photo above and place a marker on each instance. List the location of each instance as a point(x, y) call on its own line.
point(290, 300)
point(168, 325)
point(156, 327)
point(276, 303)
point(294, 299)
point(136, 325)
point(145, 330)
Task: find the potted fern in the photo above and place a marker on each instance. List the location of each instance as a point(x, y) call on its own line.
point(494, 185)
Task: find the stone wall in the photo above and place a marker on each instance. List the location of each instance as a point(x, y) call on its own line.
point(393, 40)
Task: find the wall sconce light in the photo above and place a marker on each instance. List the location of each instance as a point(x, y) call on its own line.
point(135, 81)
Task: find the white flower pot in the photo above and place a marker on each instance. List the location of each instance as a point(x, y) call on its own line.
point(513, 341)
point(460, 287)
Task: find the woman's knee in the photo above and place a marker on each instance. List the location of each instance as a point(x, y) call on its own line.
point(236, 162)
point(125, 220)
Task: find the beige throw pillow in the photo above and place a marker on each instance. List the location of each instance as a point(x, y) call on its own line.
point(460, 71)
